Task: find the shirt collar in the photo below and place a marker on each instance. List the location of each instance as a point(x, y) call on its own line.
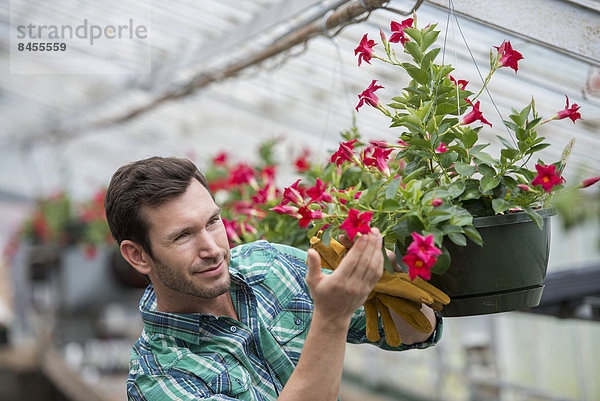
point(190, 327)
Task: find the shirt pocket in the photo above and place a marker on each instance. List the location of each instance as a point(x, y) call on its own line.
point(220, 375)
point(290, 326)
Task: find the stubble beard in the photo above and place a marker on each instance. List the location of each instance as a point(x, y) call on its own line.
point(179, 282)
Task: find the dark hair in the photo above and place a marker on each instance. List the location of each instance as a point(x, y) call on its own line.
point(147, 182)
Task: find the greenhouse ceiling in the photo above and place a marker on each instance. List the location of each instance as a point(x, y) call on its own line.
point(192, 78)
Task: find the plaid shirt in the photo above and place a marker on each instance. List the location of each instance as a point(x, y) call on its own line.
point(200, 356)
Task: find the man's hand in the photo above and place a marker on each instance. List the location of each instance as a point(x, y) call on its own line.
point(338, 295)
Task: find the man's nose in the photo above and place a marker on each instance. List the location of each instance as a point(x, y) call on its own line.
point(207, 246)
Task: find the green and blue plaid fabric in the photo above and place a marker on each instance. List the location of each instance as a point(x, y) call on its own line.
point(201, 356)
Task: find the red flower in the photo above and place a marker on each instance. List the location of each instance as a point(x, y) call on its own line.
point(508, 56)
point(318, 193)
point(368, 96)
point(423, 247)
point(546, 177)
point(308, 215)
point(398, 29)
point(365, 48)
point(356, 223)
point(474, 115)
point(268, 174)
point(418, 267)
point(294, 194)
point(379, 159)
point(462, 84)
point(232, 231)
point(571, 112)
point(220, 159)
point(301, 163)
point(442, 148)
point(241, 174)
point(589, 182)
point(344, 153)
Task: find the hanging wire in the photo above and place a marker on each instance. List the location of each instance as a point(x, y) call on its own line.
point(451, 10)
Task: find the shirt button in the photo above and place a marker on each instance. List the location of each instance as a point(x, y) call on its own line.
point(233, 329)
point(297, 321)
point(238, 381)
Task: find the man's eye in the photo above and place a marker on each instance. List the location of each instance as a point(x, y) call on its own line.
point(214, 220)
point(182, 236)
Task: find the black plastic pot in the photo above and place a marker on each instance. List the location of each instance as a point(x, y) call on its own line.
point(506, 274)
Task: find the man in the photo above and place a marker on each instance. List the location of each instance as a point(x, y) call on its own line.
point(252, 323)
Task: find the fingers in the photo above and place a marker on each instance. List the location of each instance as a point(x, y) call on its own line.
point(313, 275)
point(364, 259)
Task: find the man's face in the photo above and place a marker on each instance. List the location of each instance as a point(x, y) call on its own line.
point(190, 246)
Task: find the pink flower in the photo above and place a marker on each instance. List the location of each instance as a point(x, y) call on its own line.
point(424, 247)
point(289, 210)
point(268, 174)
point(379, 159)
point(381, 144)
point(294, 194)
point(437, 202)
point(308, 215)
point(571, 112)
point(546, 177)
point(356, 223)
point(241, 174)
point(318, 193)
point(462, 84)
point(232, 231)
point(365, 50)
point(368, 96)
point(220, 159)
point(344, 153)
point(418, 266)
point(508, 56)
point(524, 187)
point(442, 148)
point(398, 29)
point(589, 182)
point(474, 115)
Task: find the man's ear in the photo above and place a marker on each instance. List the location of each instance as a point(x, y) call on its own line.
point(136, 256)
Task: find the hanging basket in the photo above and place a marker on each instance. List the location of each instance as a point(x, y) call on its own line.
point(506, 274)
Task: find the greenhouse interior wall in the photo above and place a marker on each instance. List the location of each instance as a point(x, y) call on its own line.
point(68, 124)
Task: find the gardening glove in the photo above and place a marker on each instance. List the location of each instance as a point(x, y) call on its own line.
point(393, 290)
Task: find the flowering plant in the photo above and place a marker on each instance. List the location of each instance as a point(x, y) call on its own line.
point(425, 186)
point(246, 191)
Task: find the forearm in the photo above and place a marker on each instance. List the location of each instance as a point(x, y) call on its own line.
point(409, 334)
point(319, 371)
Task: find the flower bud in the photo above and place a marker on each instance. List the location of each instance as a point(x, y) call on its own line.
point(437, 202)
point(524, 187)
point(589, 182)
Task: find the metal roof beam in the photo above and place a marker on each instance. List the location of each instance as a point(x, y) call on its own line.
point(567, 26)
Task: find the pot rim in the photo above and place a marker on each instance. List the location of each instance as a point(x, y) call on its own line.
point(510, 218)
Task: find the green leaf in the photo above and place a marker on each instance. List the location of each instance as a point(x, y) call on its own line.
point(469, 137)
point(486, 170)
point(429, 57)
point(456, 189)
point(471, 193)
point(464, 169)
point(458, 239)
point(509, 153)
point(533, 215)
point(537, 148)
point(414, 50)
point(473, 235)
point(428, 39)
point(443, 262)
point(387, 265)
point(448, 158)
point(416, 73)
point(390, 205)
point(392, 189)
point(500, 205)
point(488, 183)
point(451, 228)
point(484, 158)
point(505, 142)
point(415, 34)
